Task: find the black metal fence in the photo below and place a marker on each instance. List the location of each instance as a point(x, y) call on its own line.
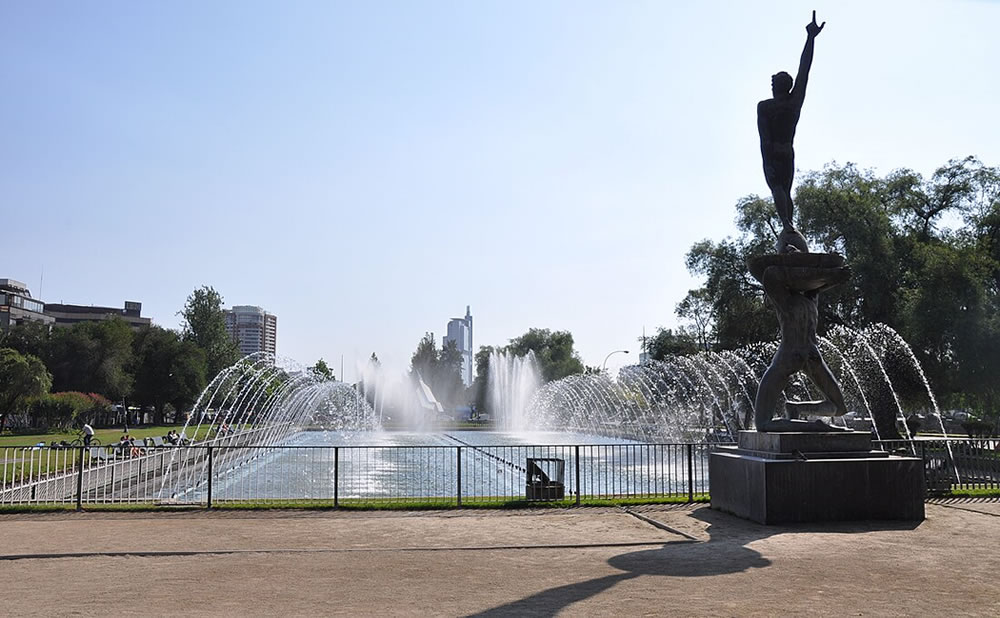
point(953, 464)
point(212, 474)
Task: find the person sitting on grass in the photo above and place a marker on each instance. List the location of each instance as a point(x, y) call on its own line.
point(134, 450)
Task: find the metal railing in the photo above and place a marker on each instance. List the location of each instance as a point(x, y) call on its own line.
point(103, 474)
point(235, 471)
point(208, 474)
point(953, 463)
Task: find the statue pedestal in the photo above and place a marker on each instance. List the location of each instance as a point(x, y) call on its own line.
point(777, 478)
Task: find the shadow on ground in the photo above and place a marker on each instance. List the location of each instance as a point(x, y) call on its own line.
point(724, 552)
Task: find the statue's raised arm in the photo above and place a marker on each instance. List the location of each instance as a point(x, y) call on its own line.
point(812, 31)
point(777, 118)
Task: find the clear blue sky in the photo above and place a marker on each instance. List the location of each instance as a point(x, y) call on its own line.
point(365, 170)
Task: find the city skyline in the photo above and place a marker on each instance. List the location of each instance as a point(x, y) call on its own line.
point(575, 150)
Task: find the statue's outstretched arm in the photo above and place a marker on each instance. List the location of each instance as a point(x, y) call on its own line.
point(805, 63)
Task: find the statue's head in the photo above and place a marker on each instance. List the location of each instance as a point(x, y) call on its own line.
point(781, 85)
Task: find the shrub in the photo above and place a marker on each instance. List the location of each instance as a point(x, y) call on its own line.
point(977, 429)
point(63, 410)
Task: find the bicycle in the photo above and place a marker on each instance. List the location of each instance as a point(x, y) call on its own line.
point(78, 441)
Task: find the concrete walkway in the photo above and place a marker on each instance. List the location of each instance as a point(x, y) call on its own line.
point(657, 560)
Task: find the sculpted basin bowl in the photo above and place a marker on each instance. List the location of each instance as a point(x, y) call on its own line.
point(797, 260)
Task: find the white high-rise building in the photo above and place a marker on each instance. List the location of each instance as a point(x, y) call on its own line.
point(253, 329)
point(460, 331)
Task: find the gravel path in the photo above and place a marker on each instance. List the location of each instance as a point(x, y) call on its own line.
point(588, 561)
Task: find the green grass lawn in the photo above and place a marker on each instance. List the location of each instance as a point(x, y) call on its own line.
point(419, 504)
point(983, 492)
point(17, 463)
point(106, 436)
point(416, 504)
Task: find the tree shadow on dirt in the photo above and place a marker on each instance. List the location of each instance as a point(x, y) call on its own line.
point(724, 552)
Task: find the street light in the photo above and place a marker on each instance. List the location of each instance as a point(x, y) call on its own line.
point(604, 367)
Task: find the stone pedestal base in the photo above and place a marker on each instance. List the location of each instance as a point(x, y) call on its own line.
point(775, 478)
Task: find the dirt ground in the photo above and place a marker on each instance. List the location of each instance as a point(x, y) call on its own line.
point(655, 560)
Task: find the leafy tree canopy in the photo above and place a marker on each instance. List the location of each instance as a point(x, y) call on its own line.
point(168, 369)
point(322, 370)
point(205, 326)
point(925, 259)
point(92, 357)
point(22, 376)
point(553, 351)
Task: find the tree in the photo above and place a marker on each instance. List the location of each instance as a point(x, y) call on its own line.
point(92, 357)
point(424, 357)
point(448, 373)
point(27, 338)
point(666, 343)
point(22, 376)
point(205, 326)
point(168, 370)
point(480, 389)
point(322, 371)
point(439, 369)
point(697, 309)
point(740, 313)
point(939, 288)
point(553, 352)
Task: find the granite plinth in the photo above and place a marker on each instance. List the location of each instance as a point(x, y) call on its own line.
point(807, 443)
point(777, 478)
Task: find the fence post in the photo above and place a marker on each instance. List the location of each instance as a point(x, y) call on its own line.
point(576, 456)
point(459, 475)
point(209, 505)
point(336, 476)
point(690, 454)
point(927, 470)
point(79, 482)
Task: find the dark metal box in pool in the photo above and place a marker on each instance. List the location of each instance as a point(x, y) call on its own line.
point(545, 477)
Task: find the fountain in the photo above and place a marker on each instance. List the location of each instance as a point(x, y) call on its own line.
point(263, 416)
point(260, 401)
point(710, 395)
point(513, 382)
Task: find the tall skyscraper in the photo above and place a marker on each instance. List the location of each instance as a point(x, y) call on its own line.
point(253, 329)
point(460, 331)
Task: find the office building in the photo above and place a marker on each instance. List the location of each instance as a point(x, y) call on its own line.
point(253, 329)
point(460, 331)
point(17, 306)
point(67, 315)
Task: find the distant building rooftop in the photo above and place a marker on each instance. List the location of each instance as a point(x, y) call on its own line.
point(66, 315)
point(12, 285)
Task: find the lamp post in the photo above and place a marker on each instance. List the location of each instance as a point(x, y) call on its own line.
point(604, 366)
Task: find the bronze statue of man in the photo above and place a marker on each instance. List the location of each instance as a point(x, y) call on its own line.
point(794, 278)
point(776, 121)
point(794, 290)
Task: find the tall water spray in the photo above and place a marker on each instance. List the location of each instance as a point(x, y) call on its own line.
point(711, 394)
point(261, 401)
point(394, 397)
point(512, 383)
